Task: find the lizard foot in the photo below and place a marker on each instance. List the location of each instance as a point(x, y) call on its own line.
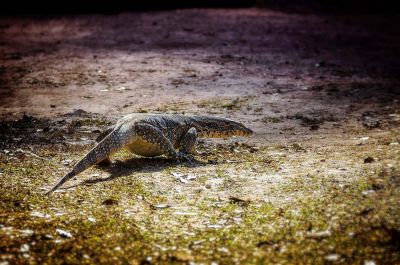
point(186, 157)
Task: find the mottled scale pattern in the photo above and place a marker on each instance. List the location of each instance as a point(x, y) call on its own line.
point(153, 135)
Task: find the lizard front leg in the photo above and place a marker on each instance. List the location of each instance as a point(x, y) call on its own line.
point(188, 141)
point(153, 135)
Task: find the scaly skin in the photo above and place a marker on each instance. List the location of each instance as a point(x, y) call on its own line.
point(154, 135)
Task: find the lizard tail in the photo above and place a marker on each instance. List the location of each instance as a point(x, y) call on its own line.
point(110, 144)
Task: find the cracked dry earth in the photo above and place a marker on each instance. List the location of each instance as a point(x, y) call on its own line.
point(317, 183)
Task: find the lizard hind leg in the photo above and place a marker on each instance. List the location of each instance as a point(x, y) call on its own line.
point(153, 137)
point(188, 141)
point(106, 161)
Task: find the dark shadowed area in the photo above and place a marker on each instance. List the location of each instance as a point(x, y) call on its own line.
point(318, 182)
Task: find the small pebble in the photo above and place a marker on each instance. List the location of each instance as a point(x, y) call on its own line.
point(319, 235)
point(66, 162)
point(64, 233)
point(216, 226)
point(162, 206)
point(24, 248)
point(332, 257)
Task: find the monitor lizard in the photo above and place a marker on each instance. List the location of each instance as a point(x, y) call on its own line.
point(153, 135)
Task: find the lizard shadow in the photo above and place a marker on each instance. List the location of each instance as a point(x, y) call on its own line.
point(137, 165)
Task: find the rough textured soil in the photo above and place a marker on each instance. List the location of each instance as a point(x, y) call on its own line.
point(318, 182)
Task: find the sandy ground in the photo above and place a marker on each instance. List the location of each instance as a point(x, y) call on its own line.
point(321, 93)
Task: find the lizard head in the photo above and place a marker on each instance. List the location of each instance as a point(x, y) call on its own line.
point(214, 127)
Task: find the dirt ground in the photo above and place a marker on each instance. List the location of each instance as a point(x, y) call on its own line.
point(319, 182)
